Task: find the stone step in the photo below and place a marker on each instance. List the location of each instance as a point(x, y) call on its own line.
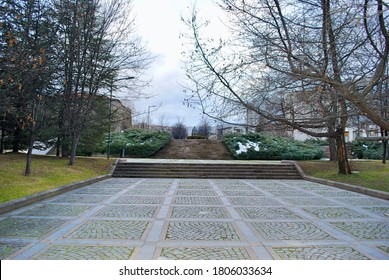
point(198, 170)
point(210, 176)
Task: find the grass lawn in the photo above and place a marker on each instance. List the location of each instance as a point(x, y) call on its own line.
point(368, 174)
point(46, 173)
point(52, 172)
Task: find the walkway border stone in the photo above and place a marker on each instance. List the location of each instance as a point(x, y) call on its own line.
point(20, 202)
point(344, 186)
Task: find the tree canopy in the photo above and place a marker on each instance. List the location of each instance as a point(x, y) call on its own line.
point(60, 60)
point(307, 65)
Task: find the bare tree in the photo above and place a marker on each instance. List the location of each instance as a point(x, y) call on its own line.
point(163, 122)
point(179, 131)
point(204, 128)
point(319, 48)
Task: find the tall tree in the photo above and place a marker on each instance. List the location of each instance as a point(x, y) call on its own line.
point(98, 50)
point(26, 51)
point(293, 47)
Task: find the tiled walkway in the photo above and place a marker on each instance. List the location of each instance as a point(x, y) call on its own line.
point(199, 219)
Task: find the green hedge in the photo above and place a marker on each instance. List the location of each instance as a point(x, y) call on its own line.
point(139, 142)
point(255, 146)
point(367, 150)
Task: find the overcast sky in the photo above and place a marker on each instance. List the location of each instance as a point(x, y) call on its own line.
point(159, 24)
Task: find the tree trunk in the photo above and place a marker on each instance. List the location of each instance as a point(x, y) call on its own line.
point(58, 147)
point(16, 140)
point(343, 163)
point(64, 150)
point(385, 146)
point(29, 156)
point(2, 148)
point(333, 150)
point(75, 138)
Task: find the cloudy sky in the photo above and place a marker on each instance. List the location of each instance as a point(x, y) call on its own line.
point(159, 24)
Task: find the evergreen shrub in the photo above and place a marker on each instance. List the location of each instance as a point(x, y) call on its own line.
point(139, 142)
point(254, 146)
point(367, 150)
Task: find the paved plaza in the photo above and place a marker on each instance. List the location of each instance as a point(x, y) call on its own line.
point(215, 219)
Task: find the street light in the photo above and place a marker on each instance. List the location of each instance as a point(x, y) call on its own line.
point(148, 116)
point(110, 113)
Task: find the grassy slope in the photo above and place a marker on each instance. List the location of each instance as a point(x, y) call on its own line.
point(47, 173)
point(370, 174)
point(194, 149)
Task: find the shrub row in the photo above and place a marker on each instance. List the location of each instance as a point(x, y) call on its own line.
point(367, 150)
point(255, 146)
point(139, 142)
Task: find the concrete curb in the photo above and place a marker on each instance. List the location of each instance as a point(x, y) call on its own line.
point(21, 202)
point(344, 186)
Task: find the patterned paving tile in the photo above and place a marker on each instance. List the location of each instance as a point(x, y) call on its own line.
point(336, 193)
point(7, 249)
point(243, 193)
point(158, 181)
point(290, 193)
point(185, 230)
point(277, 188)
point(291, 231)
point(191, 182)
point(271, 210)
point(319, 253)
point(145, 192)
point(28, 227)
point(196, 192)
point(363, 201)
point(266, 213)
point(139, 200)
point(189, 187)
point(79, 252)
point(96, 191)
point(253, 201)
point(55, 210)
point(334, 213)
point(261, 181)
point(305, 185)
point(152, 187)
point(383, 211)
point(127, 211)
point(365, 230)
point(308, 201)
point(122, 181)
point(385, 249)
point(236, 188)
point(199, 212)
point(80, 198)
point(197, 200)
point(117, 186)
point(205, 253)
point(221, 182)
point(108, 229)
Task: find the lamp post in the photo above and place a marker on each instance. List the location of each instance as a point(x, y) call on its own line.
point(148, 116)
point(110, 113)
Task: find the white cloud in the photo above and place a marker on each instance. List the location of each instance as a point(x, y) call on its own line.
point(159, 24)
